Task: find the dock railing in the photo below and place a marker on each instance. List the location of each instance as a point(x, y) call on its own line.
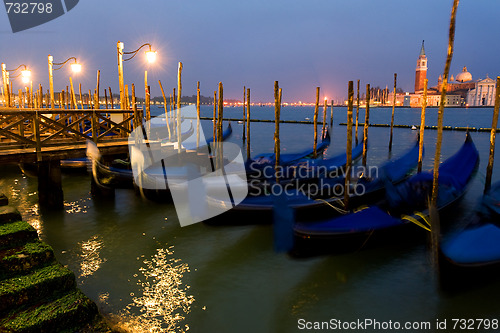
point(40, 128)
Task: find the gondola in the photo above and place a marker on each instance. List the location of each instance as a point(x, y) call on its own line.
point(386, 219)
point(257, 164)
point(119, 174)
point(473, 253)
point(316, 197)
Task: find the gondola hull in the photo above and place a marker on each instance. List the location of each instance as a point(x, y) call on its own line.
point(472, 254)
point(384, 218)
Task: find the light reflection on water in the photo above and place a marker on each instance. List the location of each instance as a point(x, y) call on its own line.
point(164, 301)
point(33, 218)
point(78, 206)
point(91, 259)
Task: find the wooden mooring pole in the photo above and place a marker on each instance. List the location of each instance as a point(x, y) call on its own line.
point(179, 94)
point(434, 215)
point(316, 107)
point(494, 124)
point(81, 96)
point(220, 113)
point(350, 95)
point(97, 88)
point(172, 114)
point(215, 118)
point(244, 112)
point(444, 86)
point(392, 115)
point(127, 98)
point(277, 100)
point(325, 106)
point(422, 128)
point(367, 122)
point(111, 98)
point(106, 99)
point(357, 114)
point(137, 116)
point(331, 116)
point(198, 114)
point(89, 101)
point(147, 96)
point(74, 104)
point(248, 123)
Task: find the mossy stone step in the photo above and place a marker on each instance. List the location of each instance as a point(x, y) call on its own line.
point(21, 259)
point(66, 314)
point(32, 288)
point(9, 214)
point(16, 233)
point(3, 200)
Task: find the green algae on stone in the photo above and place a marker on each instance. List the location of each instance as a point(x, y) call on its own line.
point(21, 259)
point(33, 287)
point(65, 314)
point(16, 233)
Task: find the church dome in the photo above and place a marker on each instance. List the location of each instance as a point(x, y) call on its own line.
point(464, 76)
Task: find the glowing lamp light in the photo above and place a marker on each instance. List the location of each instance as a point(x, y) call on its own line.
point(26, 75)
point(76, 67)
point(151, 56)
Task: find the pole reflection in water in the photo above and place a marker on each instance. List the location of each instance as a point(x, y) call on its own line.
point(164, 300)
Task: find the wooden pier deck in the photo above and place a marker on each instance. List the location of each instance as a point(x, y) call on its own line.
point(29, 135)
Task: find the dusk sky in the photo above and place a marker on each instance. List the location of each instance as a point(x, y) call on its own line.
point(302, 44)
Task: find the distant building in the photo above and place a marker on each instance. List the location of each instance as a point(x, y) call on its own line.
point(461, 90)
point(483, 93)
point(421, 71)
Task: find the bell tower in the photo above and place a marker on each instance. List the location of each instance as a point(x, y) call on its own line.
point(421, 71)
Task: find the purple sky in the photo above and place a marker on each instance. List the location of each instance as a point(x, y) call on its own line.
point(302, 44)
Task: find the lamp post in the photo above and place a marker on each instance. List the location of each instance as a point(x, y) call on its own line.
point(25, 74)
point(75, 67)
point(5, 83)
point(150, 57)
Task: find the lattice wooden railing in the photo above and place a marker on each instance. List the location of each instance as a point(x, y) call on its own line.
point(28, 128)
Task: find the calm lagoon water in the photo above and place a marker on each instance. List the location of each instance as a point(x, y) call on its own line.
point(135, 261)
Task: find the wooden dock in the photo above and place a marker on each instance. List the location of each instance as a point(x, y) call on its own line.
point(28, 135)
point(46, 136)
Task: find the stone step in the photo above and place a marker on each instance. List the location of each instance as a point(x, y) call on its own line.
point(37, 285)
point(16, 233)
point(19, 260)
point(68, 313)
point(9, 214)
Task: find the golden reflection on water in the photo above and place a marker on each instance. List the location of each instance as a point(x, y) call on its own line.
point(164, 300)
point(91, 258)
point(78, 206)
point(32, 216)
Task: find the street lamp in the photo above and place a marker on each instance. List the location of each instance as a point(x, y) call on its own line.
point(75, 67)
point(150, 57)
point(25, 75)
